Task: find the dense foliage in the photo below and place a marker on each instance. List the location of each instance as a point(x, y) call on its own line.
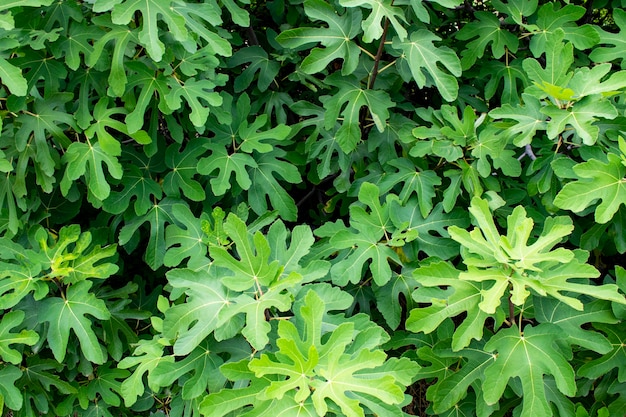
point(312, 207)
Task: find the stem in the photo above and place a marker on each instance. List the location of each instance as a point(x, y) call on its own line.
point(511, 312)
point(379, 55)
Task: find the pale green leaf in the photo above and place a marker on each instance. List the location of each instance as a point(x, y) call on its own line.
point(597, 181)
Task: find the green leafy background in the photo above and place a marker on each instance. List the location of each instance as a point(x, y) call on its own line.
point(312, 208)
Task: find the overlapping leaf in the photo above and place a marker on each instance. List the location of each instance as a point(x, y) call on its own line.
point(529, 355)
point(597, 180)
point(336, 38)
point(420, 58)
point(510, 261)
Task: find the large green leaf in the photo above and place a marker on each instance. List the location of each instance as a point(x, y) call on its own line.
point(529, 355)
point(150, 10)
point(487, 30)
point(351, 97)
point(420, 58)
point(191, 322)
point(337, 37)
point(70, 313)
point(511, 262)
point(328, 370)
point(87, 159)
point(381, 11)
point(458, 297)
point(596, 180)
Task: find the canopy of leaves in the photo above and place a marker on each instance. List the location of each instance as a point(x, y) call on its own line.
point(312, 207)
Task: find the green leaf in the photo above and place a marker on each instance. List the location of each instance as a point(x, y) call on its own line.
point(252, 268)
point(86, 159)
point(106, 385)
point(103, 121)
point(388, 297)
point(615, 51)
point(194, 92)
point(9, 393)
point(202, 363)
point(420, 58)
point(70, 313)
point(328, 371)
point(151, 83)
point(179, 182)
point(581, 116)
point(492, 145)
point(19, 279)
point(157, 216)
point(529, 355)
point(186, 242)
point(611, 359)
point(449, 391)
point(457, 298)
point(147, 355)
point(422, 183)
point(257, 60)
point(123, 37)
point(381, 10)
point(596, 180)
point(365, 239)
point(267, 186)
point(150, 11)
point(548, 310)
point(528, 119)
point(432, 235)
point(137, 185)
point(487, 29)
point(46, 124)
point(351, 97)
point(559, 57)
point(552, 17)
point(337, 38)
point(512, 77)
point(7, 338)
point(12, 77)
point(69, 260)
point(510, 262)
point(191, 322)
point(227, 164)
point(517, 9)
